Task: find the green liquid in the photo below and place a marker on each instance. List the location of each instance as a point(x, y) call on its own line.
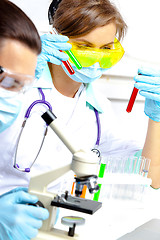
point(74, 59)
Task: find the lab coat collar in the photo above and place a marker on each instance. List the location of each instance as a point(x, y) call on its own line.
point(92, 98)
point(45, 82)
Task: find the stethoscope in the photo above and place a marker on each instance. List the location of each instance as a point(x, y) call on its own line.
point(48, 105)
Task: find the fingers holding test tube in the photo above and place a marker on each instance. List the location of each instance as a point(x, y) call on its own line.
point(71, 56)
point(147, 82)
point(51, 46)
point(54, 49)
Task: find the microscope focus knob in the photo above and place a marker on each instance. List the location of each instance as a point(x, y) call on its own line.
point(37, 204)
point(72, 221)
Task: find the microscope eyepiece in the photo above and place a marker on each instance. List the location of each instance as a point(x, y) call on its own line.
point(48, 117)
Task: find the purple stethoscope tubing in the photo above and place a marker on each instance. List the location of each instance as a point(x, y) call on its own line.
point(27, 114)
point(43, 101)
point(98, 127)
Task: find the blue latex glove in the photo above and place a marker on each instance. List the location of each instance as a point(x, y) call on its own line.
point(148, 84)
point(19, 221)
point(51, 44)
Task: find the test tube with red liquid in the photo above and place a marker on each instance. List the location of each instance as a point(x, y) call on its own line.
point(68, 66)
point(132, 100)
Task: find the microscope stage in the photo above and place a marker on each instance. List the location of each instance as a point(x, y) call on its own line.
point(77, 204)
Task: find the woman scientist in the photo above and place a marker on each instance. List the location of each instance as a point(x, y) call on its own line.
point(92, 28)
point(19, 46)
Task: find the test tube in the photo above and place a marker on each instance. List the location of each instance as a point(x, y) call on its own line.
point(132, 100)
point(146, 167)
point(74, 59)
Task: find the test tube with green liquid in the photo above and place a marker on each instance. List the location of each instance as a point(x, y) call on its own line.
point(74, 59)
point(101, 174)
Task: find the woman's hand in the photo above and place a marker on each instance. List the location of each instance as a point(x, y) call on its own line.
point(19, 221)
point(148, 83)
point(51, 44)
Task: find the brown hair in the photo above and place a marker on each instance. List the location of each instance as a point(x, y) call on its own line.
point(78, 17)
point(14, 24)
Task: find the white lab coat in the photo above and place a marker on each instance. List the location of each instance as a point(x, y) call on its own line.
point(79, 120)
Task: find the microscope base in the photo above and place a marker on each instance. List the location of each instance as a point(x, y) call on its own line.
point(55, 234)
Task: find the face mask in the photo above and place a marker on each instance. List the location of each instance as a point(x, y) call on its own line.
point(86, 74)
point(10, 105)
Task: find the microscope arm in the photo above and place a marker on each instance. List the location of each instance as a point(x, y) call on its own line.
point(40, 182)
point(60, 131)
point(84, 163)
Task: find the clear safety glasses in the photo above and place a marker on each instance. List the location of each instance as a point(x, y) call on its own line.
point(15, 81)
point(87, 56)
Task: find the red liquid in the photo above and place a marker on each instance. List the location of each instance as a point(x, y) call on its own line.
point(132, 100)
point(68, 66)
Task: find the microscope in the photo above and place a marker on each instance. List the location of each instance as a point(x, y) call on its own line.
point(85, 164)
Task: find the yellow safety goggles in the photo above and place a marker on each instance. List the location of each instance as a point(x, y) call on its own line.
point(87, 56)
